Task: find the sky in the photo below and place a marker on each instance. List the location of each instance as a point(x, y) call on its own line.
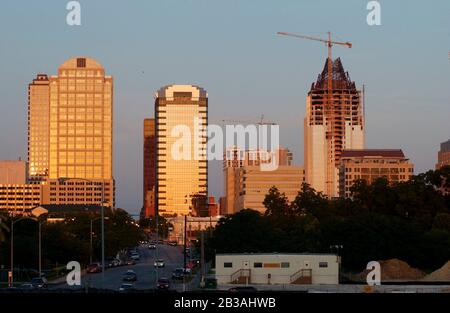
point(230, 48)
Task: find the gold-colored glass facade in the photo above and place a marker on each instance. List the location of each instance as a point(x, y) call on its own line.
point(38, 127)
point(81, 121)
point(180, 178)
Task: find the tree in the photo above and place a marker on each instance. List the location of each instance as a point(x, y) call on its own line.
point(276, 203)
point(308, 200)
point(3, 229)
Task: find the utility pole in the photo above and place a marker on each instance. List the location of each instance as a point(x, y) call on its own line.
point(103, 235)
point(202, 260)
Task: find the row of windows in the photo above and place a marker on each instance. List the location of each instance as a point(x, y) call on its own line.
point(76, 199)
point(272, 265)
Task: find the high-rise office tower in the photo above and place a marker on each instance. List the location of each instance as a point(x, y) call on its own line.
point(70, 133)
point(182, 169)
point(334, 121)
point(149, 168)
point(38, 127)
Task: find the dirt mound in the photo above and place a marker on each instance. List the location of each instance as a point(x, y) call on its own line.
point(395, 269)
point(442, 274)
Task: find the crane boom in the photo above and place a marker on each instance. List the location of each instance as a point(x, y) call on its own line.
point(328, 42)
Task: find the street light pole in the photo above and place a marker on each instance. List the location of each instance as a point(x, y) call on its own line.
point(40, 250)
point(103, 235)
point(11, 281)
point(90, 244)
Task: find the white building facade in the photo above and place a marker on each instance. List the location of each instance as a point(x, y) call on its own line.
point(274, 268)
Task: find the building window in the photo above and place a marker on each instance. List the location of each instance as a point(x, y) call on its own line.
point(228, 264)
point(81, 62)
point(257, 265)
point(323, 264)
point(285, 264)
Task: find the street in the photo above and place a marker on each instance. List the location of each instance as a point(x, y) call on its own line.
point(147, 274)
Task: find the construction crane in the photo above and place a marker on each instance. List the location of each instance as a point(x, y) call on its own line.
point(329, 44)
point(261, 121)
point(329, 103)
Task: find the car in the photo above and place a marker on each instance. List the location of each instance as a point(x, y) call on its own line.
point(190, 265)
point(112, 263)
point(94, 268)
point(129, 275)
point(159, 263)
point(130, 262)
point(26, 286)
point(126, 288)
point(178, 273)
point(39, 282)
point(152, 246)
point(173, 243)
point(163, 284)
point(135, 256)
point(243, 289)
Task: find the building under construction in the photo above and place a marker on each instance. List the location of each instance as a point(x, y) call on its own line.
point(334, 121)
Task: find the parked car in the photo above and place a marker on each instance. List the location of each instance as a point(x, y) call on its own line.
point(178, 273)
point(39, 282)
point(159, 263)
point(26, 286)
point(163, 283)
point(135, 256)
point(94, 268)
point(130, 262)
point(243, 289)
point(152, 246)
point(126, 288)
point(129, 275)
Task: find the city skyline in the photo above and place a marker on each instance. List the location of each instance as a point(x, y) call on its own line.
point(393, 92)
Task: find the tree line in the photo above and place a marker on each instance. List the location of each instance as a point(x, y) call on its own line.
point(408, 220)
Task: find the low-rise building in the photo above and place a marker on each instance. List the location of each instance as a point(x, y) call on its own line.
point(194, 225)
point(274, 268)
point(13, 172)
point(252, 185)
point(19, 198)
point(370, 164)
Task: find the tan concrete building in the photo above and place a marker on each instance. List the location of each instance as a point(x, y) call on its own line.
point(275, 268)
point(236, 158)
point(370, 164)
point(252, 185)
point(13, 172)
point(444, 155)
point(246, 184)
point(334, 121)
point(182, 169)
